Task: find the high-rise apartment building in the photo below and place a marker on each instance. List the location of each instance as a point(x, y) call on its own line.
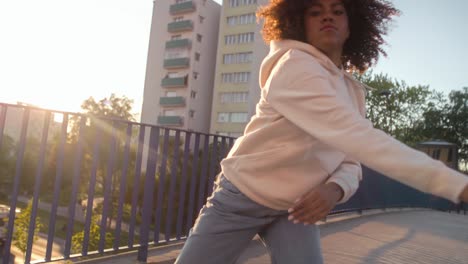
point(240, 52)
point(181, 64)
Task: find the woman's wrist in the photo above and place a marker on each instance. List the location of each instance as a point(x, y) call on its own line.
point(336, 189)
point(464, 195)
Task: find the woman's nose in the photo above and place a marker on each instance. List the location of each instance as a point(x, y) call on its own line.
point(327, 18)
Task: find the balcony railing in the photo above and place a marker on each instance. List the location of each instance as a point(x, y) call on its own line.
point(179, 26)
point(180, 8)
point(170, 120)
point(174, 82)
point(178, 43)
point(176, 63)
point(149, 182)
point(172, 101)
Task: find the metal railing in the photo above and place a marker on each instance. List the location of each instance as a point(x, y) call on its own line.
point(125, 185)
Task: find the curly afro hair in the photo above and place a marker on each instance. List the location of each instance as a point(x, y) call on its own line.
point(368, 23)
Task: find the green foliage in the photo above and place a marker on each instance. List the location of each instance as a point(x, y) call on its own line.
point(447, 119)
point(21, 227)
point(94, 237)
point(7, 165)
point(413, 114)
point(395, 107)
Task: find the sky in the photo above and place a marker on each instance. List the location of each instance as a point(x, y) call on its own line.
point(57, 53)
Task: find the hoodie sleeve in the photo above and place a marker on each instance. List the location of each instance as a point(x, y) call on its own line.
point(347, 176)
point(298, 89)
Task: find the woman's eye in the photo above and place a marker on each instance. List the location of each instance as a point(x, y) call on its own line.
point(314, 13)
point(338, 12)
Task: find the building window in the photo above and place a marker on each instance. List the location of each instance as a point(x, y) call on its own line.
point(171, 94)
point(239, 117)
point(234, 117)
point(197, 56)
point(192, 113)
point(193, 94)
point(449, 155)
point(241, 20)
point(223, 117)
point(235, 97)
point(234, 58)
point(169, 113)
point(436, 153)
point(246, 37)
point(172, 74)
point(235, 77)
point(236, 3)
point(229, 134)
point(201, 18)
point(176, 53)
point(195, 75)
point(173, 55)
point(231, 20)
point(176, 37)
point(246, 19)
point(230, 39)
point(239, 38)
point(177, 19)
point(199, 37)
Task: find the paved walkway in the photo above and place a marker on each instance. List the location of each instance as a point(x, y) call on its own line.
point(402, 237)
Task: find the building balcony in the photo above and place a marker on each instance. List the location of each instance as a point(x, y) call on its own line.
point(170, 120)
point(181, 8)
point(178, 43)
point(179, 26)
point(174, 82)
point(176, 63)
point(172, 101)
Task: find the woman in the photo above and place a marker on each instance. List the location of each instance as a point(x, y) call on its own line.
point(301, 152)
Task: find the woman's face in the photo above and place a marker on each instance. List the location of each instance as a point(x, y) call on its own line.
point(326, 26)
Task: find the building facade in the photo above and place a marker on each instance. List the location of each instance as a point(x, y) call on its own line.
point(240, 52)
point(181, 64)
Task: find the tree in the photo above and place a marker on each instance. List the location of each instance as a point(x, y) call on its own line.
point(395, 107)
point(457, 116)
point(7, 165)
point(94, 237)
point(29, 165)
point(20, 233)
point(105, 121)
point(413, 114)
point(447, 119)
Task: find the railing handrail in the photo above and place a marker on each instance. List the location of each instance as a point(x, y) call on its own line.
point(92, 116)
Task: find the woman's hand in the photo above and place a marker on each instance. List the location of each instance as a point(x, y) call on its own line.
point(464, 195)
point(316, 204)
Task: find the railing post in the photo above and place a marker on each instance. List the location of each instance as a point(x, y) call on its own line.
point(14, 197)
point(58, 177)
point(123, 186)
point(148, 194)
point(37, 186)
point(75, 186)
point(136, 185)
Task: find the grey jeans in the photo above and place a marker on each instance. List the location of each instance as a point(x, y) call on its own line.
point(228, 222)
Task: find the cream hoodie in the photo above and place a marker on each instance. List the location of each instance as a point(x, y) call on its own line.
point(310, 128)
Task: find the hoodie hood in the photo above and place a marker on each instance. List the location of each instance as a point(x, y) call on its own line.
point(279, 47)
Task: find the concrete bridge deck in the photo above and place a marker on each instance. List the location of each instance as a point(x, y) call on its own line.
point(400, 237)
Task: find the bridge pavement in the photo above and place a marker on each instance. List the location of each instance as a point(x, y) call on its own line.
point(399, 237)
